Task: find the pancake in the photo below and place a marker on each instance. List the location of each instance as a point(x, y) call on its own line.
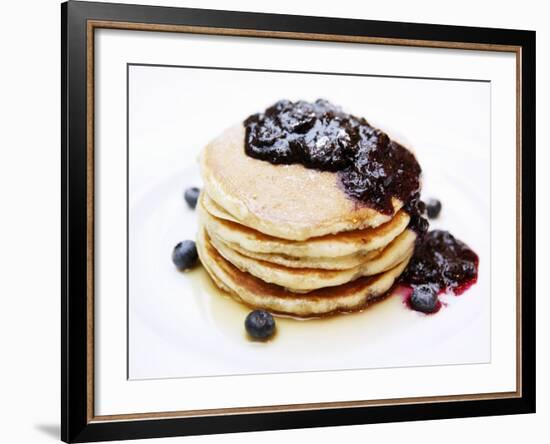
point(245, 288)
point(215, 210)
point(286, 201)
point(340, 245)
point(308, 279)
point(325, 263)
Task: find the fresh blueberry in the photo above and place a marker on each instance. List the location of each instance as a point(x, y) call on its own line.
point(260, 324)
point(191, 196)
point(424, 298)
point(433, 208)
point(185, 255)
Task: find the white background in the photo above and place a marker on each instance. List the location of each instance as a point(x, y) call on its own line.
point(29, 235)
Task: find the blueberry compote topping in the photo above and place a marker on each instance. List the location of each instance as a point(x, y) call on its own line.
point(416, 209)
point(372, 168)
point(443, 263)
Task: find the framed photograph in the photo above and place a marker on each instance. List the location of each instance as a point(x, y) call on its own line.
point(275, 221)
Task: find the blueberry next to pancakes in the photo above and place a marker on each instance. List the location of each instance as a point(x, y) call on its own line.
point(424, 298)
point(185, 255)
point(191, 195)
point(260, 324)
point(433, 208)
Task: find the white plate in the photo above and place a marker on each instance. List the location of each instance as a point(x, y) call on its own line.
point(181, 325)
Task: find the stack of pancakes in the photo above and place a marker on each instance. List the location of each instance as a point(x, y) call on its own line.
point(289, 240)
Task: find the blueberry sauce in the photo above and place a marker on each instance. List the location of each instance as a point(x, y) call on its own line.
point(373, 168)
point(442, 262)
point(416, 209)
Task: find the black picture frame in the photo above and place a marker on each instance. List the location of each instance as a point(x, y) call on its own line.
point(76, 326)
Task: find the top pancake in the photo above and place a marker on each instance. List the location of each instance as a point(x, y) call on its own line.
point(286, 201)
